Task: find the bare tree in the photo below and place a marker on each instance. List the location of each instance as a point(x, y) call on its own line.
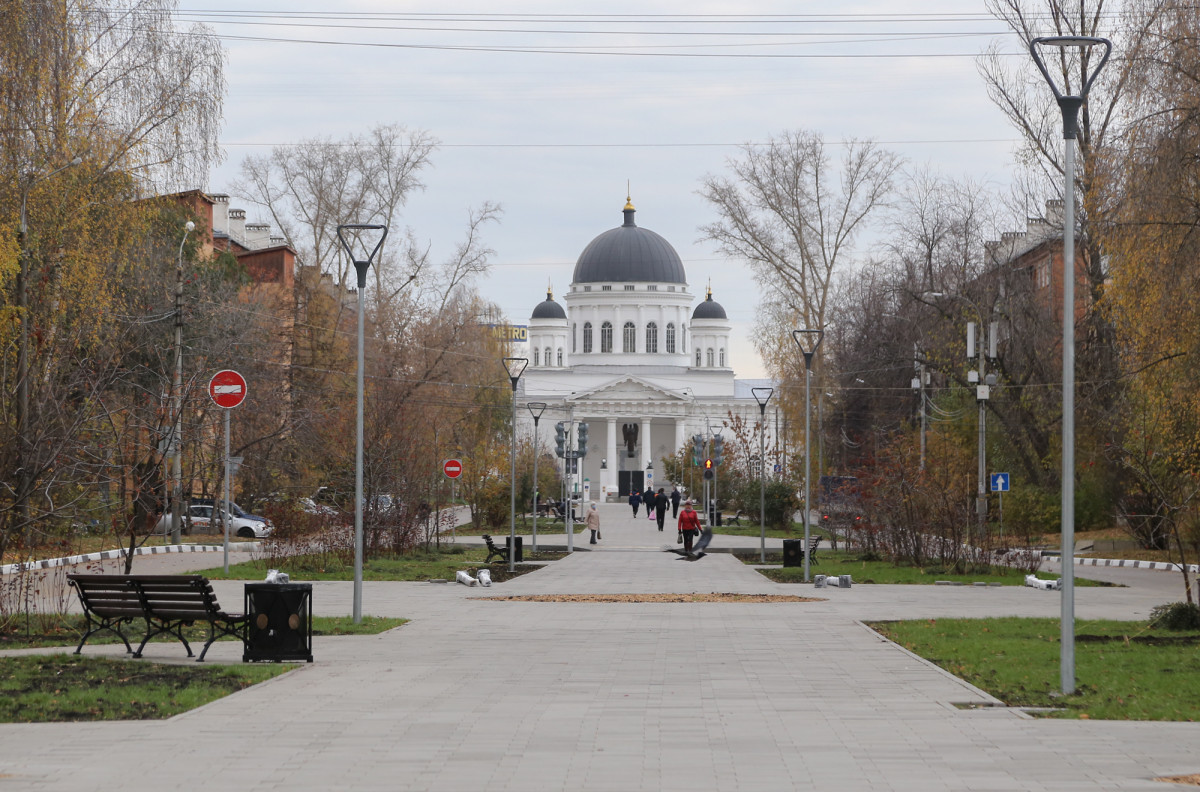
point(793, 216)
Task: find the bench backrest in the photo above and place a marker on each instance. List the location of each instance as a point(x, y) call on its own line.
point(162, 596)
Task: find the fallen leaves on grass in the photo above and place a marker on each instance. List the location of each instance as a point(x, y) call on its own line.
point(656, 598)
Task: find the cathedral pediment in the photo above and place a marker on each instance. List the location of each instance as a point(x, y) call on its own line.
point(628, 388)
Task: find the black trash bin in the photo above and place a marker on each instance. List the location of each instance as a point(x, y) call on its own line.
point(278, 622)
point(793, 552)
point(520, 556)
point(714, 515)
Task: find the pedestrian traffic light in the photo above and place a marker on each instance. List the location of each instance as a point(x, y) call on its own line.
point(708, 468)
point(718, 447)
point(560, 438)
point(697, 449)
point(582, 435)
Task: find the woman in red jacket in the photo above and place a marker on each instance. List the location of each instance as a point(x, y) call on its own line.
point(689, 525)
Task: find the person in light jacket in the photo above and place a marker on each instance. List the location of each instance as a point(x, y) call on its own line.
point(593, 523)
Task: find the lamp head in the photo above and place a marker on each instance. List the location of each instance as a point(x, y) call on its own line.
point(189, 226)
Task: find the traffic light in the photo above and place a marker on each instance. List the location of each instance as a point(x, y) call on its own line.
point(582, 435)
point(697, 449)
point(708, 469)
point(560, 438)
point(718, 447)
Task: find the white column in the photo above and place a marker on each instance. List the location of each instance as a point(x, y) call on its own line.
point(647, 447)
point(680, 433)
point(609, 478)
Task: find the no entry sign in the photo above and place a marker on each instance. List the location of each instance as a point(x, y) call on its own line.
point(452, 468)
point(227, 388)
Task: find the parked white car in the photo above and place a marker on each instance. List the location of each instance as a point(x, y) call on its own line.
point(206, 519)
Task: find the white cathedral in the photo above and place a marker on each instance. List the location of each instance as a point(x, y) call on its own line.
point(631, 357)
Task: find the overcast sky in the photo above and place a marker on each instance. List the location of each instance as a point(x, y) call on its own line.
point(549, 108)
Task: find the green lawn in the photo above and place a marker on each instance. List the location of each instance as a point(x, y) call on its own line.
point(841, 562)
point(72, 688)
point(1123, 670)
point(412, 566)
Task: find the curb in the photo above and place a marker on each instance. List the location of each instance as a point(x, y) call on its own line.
point(49, 563)
point(1112, 562)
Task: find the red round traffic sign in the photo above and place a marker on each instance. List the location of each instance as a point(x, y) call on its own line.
point(227, 388)
point(452, 468)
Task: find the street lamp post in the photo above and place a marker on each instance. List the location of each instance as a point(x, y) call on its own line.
point(361, 267)
point(808, 341)
point(762, 396)
point(1070, 106)
point(176, 505)
point(515, 367)
point(919, 387)
point(25, 462)
point(535, 409)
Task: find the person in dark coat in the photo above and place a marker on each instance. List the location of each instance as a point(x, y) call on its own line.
point(675, 498)
point(661, 502)
point(648, 499)
point(635, 500)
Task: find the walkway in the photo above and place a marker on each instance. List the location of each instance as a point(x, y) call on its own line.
point(476, 694)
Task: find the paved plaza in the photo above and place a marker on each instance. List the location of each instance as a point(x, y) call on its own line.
point(475, 694)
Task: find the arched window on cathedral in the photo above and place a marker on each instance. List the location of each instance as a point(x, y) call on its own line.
point(548, 363)
point(629, 337)
point(560, 357)
point(574, 338)
point(651, 338)
point(697, 357)
point(709, 356)
point(536, 362)
point(606, 337)
point(670, 338)
point(587, 337)
point(722, 353)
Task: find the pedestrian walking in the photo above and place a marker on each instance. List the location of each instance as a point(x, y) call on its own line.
point(661, 501)
point(593, 523)
point(689, 525)
point(635, 500)
point(675, 498)
point(648, 499)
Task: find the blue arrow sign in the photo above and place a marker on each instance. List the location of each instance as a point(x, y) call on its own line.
point(778, 468)
point(1000, 482)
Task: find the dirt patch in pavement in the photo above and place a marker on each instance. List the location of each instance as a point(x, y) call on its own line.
point(1193, 779)
point(656, 598)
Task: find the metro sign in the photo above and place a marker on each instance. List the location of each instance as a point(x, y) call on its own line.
point(452, 468)
point(227, 388)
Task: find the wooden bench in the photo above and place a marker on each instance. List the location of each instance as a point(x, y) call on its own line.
point(494, 550)
point(167, 603)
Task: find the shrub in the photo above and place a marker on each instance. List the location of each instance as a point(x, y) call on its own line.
point(1176, 616)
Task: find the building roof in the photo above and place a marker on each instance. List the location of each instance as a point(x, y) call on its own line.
point(630, 254)
point(548, 309)
point(709, 309)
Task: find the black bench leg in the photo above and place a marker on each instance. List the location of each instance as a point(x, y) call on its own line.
point(93, 630)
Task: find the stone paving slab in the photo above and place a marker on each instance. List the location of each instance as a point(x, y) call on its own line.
point(477, 694)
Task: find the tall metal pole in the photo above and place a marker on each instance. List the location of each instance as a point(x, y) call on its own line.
point(225, 514)
point(358, 450)
point(361, 267)
point(1070, 106)
point(811, 338)
point(535, 409)
point(980, 492)
point(176, 509)
point(807, 464)
point(25, 454)
point(514, 367)
point(762, 396)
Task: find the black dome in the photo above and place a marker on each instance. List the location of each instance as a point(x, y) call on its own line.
point(709, 309)
point(548, 309)
point(631, 254)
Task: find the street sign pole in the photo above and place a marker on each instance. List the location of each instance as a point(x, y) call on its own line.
point(227, 389)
